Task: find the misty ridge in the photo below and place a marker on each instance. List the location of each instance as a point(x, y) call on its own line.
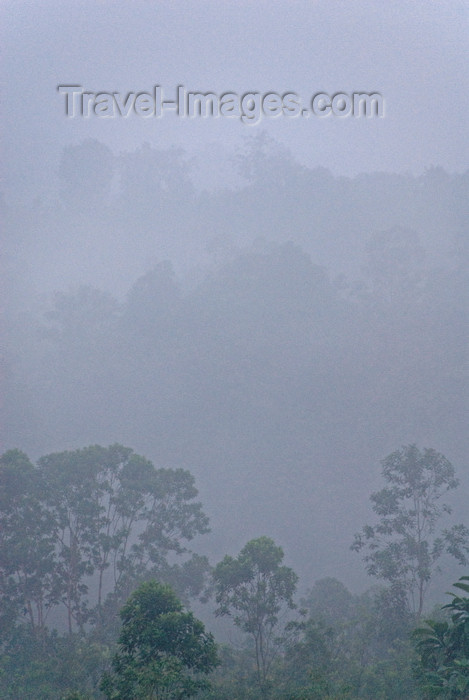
point(277, 338)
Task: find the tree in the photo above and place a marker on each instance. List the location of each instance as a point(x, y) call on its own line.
point(443, 647)
point(73, 499)
point(27, 543)
point(51, 668)
point(405, 546)
point(163, 652)
point(351, 646)
point(253, 589)
point(84, 527)
point(117, 519)
point(85, 173)
point(328, 600)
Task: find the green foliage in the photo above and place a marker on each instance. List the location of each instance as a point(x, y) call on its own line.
point(363, 654)
point(88, 522)
point(78, 532)
point(27, 542)
point(162, 649)
point(443, 647)
point(253, 589)
point(235, 678)
point(405, 545)
point(328, 600)
point(83, 529)
point(350, 647)
point(49, 668)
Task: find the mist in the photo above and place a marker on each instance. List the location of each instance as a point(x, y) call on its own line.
point(278, 339)
point(273, 307)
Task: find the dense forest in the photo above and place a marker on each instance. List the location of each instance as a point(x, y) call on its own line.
point(234, 350)
point(287, 359)
point(275, 339)
point(95, 561)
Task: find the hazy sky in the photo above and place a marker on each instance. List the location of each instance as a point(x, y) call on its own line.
point(414, 54)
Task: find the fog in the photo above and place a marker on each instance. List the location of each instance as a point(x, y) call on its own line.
point(274, 307)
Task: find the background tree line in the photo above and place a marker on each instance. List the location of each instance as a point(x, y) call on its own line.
point(286, 332)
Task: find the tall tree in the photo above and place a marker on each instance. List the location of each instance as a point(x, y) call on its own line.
point(27, 545)
point(253, 588)
point(84, 527)
point(406, 544)
point(115, 511)
point(73, 499)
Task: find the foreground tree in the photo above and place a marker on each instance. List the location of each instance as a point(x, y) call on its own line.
point(405, 546)
point(253, 589)
point(443, 647)
point(163, 653)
